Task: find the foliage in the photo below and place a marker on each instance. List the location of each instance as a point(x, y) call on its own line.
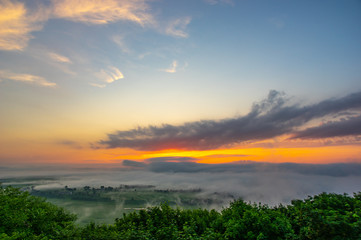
point(324, 216)
point(246, 221)
point(23, 216)
point(327, 216)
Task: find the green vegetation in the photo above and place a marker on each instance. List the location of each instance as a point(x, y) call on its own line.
point(104, 204)
point(324, 216)
point(27, 217)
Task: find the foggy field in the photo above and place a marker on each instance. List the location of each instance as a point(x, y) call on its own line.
point(104, 204)
point(107, 205)
point(106, 211)
point(210, 187)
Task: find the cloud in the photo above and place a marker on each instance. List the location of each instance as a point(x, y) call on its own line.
point(133, 164)
point(342, 128)
point(16, 24)
point(59, 58)
point(119, 40)
point(170, 159)
point(103, 12)
point(186, 165)
point(110, 75)
point(172, 68)
point(333, 170)
point(98, 85)
point(267, 119)
point(17, 21)
point(26, 78)
point(177, 27)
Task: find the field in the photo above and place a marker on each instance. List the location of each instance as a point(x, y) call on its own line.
point(105, 203)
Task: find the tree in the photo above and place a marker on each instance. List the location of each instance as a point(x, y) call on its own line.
point(23, 216)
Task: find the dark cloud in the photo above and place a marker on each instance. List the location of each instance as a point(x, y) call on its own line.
point(227, 155)
point(130, 163)
point(341, 128)
point(332, 170)
point(170, 159)
point(269, 118)
point(192, 167)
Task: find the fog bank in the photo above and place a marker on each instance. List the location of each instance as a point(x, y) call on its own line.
point(255, 182)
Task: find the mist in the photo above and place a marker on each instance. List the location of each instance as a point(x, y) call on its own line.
point(264, 183)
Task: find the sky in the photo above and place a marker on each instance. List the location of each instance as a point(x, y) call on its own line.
point(143, 84)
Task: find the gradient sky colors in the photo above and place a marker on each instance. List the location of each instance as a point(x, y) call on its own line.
point(207, 81)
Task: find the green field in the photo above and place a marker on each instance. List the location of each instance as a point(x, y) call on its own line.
point(104, 204)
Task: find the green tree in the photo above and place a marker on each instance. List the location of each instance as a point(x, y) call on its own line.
point(23, 216)
point(250, 221)
point(327, 216)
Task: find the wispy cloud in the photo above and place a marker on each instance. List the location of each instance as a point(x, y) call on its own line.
point(103, 12)
point(59, 58)
point(16, 24)
point(108, 75)
point(98, 85)
point(172, 68)
point(119, 40)
point(111, 74)
point(269, 118)
point(177, 27)
point(18, 21)
point(26, 78)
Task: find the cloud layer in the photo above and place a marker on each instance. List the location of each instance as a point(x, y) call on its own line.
point(184, 165)
point(267, 119)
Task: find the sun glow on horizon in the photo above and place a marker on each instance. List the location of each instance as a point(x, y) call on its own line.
point(323, 154)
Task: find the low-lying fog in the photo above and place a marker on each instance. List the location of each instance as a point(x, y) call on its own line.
point(256, 182)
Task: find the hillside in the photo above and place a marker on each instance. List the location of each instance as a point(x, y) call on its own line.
point(324, 216)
